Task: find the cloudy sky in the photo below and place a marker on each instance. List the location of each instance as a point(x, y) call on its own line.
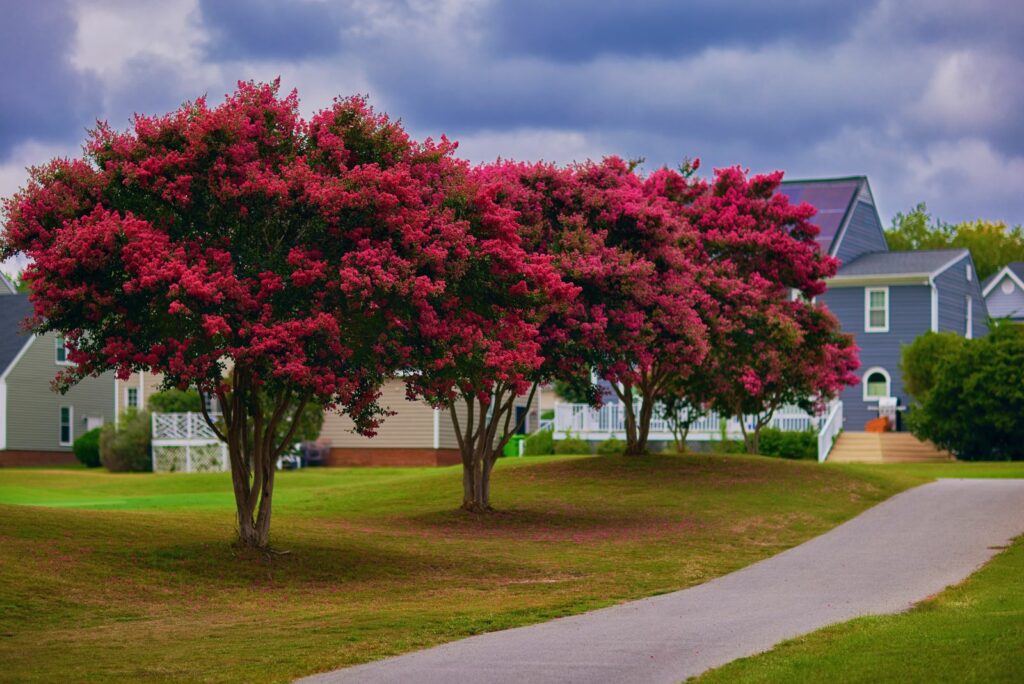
point(926, 97)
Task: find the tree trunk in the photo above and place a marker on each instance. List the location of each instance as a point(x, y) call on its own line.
point(253, 450)
point(481, 440)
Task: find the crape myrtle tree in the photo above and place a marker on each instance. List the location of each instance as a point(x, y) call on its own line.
point(760, 265)
point(492, 338)
point(241, 250)
point(641, 282)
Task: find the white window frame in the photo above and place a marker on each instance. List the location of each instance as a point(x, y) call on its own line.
point(71, 425)
point(864, 382)
point(59, 344)
point(867, 310)
point(970, 273)
point(969, 305)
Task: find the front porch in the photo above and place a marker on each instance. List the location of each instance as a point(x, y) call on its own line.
point(608, 422)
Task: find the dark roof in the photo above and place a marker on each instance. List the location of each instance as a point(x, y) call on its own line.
point(832, 197)
point(1016, 266)
point(900, 263)
point(14, 309)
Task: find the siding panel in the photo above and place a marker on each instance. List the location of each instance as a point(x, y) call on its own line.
point(953, 288)
point(863, 234)
point(411, 426)
point(909, 317)
point(1002, 305)
point(33, 409)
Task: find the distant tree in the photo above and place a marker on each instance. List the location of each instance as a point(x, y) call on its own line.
point(975, 405)
point(575, 391)
point(992, 244)
point(921, 360)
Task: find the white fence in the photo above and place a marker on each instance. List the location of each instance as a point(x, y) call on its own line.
point(183, 442)
point(596, 425)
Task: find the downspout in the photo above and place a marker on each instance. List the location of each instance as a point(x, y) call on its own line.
point(935, 305)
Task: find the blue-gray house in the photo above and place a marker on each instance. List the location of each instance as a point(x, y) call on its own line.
point(1004, 292)
point(886, 299)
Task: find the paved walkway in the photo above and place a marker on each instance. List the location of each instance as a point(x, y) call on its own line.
point(883, 561)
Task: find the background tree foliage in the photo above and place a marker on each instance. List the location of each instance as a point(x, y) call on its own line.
point(921, 359)
point(975, 404)
point(992, 244)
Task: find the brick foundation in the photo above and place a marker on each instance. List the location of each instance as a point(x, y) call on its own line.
point(12, 458)
point(393, 457)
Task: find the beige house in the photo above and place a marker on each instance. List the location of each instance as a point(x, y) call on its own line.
point(37, 425)
point(417, 435)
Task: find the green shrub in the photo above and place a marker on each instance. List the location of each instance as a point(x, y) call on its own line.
point(789, 444)
point(175, 401)
point(728, 446)
point(547, 414)
point(572, 445)
point(540, 443)
point(975, 404)
point(126, 449)
point(921, 360)
point(611, 447)
point(87, 448)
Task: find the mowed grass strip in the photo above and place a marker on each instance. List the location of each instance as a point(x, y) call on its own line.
point(973, 632)
point(133, 577)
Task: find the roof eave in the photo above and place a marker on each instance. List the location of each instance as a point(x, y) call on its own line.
point(879, 279)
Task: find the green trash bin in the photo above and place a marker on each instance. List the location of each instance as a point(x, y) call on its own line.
point(512, 448)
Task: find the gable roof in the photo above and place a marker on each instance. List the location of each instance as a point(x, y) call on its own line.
point(6, 286)
point(1014, 269)
point(834, 198)
point(13, 310)
point(898, 267)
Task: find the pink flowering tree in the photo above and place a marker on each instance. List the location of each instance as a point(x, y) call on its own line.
point(770, 346)
point(264, 259)
point(498, 330)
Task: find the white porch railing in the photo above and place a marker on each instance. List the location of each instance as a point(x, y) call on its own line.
point(596, 425)
point(830, 430)
point(183, 442)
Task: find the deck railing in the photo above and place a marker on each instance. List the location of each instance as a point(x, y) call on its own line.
point(584, 422)
point(184, 442)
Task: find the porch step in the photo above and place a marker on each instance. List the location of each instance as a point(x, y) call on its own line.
point(885, 447)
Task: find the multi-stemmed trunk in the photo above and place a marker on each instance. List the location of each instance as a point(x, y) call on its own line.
point(488, 427)
point(250, 427)
point(752, 438)
point(638, 423)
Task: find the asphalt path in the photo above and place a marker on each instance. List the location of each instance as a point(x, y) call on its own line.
point(883, 561)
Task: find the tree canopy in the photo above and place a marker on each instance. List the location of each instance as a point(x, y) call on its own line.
point(993, 244)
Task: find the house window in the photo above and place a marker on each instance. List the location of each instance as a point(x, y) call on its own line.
point(66, 433)
point(876, 384)
point(970, 273)
point(1007, 286)
point(876, 309)
point(133, 397)
point(969, 333)
point(62, 352)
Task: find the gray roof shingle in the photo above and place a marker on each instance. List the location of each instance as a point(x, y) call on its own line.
point(13, 310)
point(899, 263)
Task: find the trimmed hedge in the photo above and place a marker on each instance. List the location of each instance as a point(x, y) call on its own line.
point(611, 447)
point(572, 445)
point(87, 448)
point(793, 445)
point(540, 443)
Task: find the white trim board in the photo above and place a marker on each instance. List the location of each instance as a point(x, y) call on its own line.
point(17, 358)
point(1003, 272)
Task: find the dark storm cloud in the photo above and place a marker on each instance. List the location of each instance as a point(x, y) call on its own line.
point(575, 30)
point(263, 29)
point(43, 97)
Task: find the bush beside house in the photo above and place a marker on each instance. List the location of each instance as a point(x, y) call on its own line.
point(126, 448)
point(87, 448)
point(975, 400)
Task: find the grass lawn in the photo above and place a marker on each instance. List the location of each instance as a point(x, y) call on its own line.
point(973, 632)
point(133, 577)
